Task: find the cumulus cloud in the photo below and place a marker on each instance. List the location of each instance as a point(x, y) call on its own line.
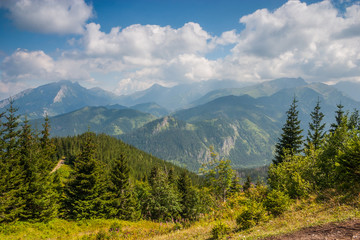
point(25, 65)
point(49, 16)
point(314, 41)
point(146, 42)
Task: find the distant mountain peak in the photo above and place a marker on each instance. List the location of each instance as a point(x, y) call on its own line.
point(61, 94)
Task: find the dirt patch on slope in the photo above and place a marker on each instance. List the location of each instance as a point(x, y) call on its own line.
point(332, 231)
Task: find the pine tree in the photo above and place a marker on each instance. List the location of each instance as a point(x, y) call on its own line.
point(122, 203)
point(354, 120)
point(164, 202)
point(338, 118)
point(83, 188)
point(247, 184)
point(188, 197)
point(291, 138)
point(235, 186)
point(47, 147)
point(316, 128)
point(12, 179)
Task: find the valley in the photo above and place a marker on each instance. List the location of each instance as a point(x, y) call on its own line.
point(242, 124)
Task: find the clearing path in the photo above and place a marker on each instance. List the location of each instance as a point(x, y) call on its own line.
point(58, 165)
point(332, 231)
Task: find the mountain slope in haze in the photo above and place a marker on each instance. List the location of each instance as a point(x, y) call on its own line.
point(175, 97)
point(241, 128)
point(351, 89)
point(152, 108)
point(259, 90)
point(231, 124)
point(58, 98)
point(98, 120)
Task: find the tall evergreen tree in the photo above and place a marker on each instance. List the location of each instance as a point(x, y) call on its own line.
point(12, 179)
point(291, 138)
point(47, 147)
point(338, 117)
point(164, 202)
point(188, 197)
point(316, 128)
point(122, 203)
point(354, 120)
point(83, 188)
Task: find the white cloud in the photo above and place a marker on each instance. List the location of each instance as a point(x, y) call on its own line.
point(313, 41)
point(49, 16)
point(25, 65)
point(22, 65)
point(144, 44)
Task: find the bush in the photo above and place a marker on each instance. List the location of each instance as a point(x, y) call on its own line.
point(276, 202)
point(102, 235)
point(252, 214)
point(220, 230)
point(293, 176)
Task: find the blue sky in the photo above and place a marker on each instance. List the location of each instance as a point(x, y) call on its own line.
point(125, 46)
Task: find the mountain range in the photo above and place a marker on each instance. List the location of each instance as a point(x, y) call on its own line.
point(242, 123)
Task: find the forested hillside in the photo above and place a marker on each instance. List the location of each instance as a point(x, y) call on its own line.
point(134, 195)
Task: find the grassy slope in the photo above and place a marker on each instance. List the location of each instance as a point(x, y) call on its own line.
point(301, 214)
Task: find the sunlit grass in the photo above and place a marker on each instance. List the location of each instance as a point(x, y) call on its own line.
point(302, 213)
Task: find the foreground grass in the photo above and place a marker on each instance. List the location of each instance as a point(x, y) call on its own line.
point(303, 213)
point(85, 230)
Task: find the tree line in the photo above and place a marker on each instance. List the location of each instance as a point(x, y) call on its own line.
point(106, 178)
point(324, 160)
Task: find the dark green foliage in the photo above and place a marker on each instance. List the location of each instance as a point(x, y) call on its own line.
point(12, 176)
point(25, 185)
point(235, 186)
point(220, 230)
point(164, 202)
point(354, 120)
point(247, 184)
point(291, 138)
point(316, 131)
point(276, 202)
point(348, 166)
point(83, 188)
point(189, 198)
point(338, 118)
point(253, 213)
point(40, 199)
point(109, 148)
point(121, 202)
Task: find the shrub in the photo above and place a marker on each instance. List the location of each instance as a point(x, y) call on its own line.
point(276, 202)
point(220, 230)
point(102, 235)
point(293, 176)
point(252, 214)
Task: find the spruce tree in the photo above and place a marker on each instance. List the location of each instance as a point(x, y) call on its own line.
point(291, 138)
point(121, 203)
point(338, 118)
point(28, 158)
point(188, 197)
point(316, 128)
point(354, 120)
point(83, 188)
point(12, 179)
point(247, 184)
point(164, 202)
point(47, 147)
